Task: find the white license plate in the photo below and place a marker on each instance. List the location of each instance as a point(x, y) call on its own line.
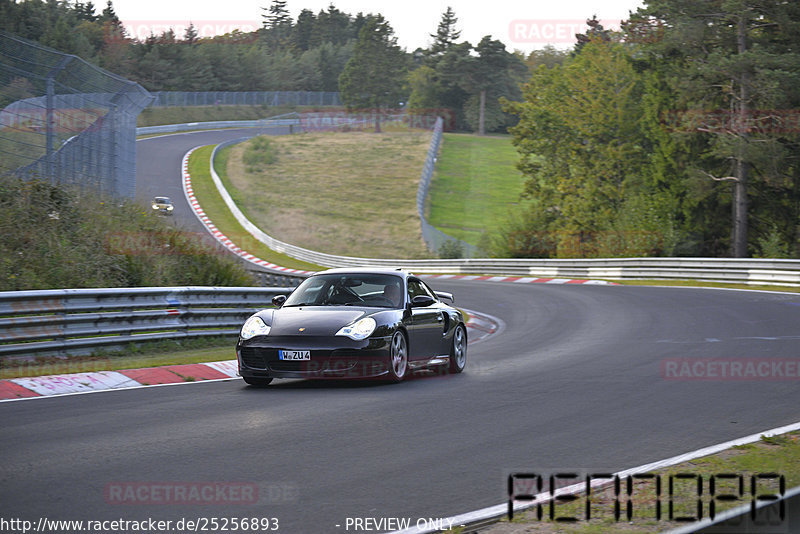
point(294, 354)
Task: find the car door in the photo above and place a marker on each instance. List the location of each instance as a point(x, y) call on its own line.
point(427, 324)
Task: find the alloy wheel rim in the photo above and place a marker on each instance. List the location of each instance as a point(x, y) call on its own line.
point(460, 354)
point(399, 355)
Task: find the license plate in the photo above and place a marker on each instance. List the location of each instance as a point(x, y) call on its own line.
point(294, 354)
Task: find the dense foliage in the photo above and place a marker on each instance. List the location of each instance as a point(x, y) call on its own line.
point(307, 54)
point(373, 77)
point(677, 136)
point(54, 238)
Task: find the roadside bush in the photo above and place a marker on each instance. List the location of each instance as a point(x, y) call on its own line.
point(259, 153)
point(59, 238)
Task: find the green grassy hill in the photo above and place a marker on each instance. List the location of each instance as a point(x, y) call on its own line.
point(344, 193)
point(476, 186)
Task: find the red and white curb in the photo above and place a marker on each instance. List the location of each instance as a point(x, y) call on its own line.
point(479, 327)
point(515, 279)
point(75, 383)
point(227, 243)
point(219, 236)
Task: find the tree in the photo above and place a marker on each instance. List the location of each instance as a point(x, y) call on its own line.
point(277, 24)
point(446, 36)
point(373, 78)
point(596, 32)
point(738, 57)
point(332, 26)
point(424, 89)
point(580, 140)
point(548, 56)
point(190, 36)
point(303, 30)
point(493, 74)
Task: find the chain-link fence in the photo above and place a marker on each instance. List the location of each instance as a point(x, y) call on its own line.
point(65, 121)
point(437, 241)
point(245, 98)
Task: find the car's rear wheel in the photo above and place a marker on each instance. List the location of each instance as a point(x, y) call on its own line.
point(257, 381)
point(398, 357)
point(458, 351)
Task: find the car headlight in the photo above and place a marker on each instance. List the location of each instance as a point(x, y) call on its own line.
point(169, 208)
point(358, 330)
point(254, 326)
point(155, 207)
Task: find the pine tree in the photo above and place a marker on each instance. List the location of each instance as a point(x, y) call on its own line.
point(303, 30)
point(446, 35)
point(373, 78)
point(741, 62)
point(277, 25)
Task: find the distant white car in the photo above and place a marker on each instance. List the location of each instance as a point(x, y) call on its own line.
point(163, 205)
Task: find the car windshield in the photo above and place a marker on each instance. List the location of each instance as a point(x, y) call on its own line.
point(349, 289)
point(162, 200)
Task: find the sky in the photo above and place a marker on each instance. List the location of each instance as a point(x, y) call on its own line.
point(521, 24)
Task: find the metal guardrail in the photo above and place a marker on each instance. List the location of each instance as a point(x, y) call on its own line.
point(83, 321)
point(216, 125)
point(731, 270)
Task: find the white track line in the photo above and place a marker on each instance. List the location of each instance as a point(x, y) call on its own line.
point(500, 510)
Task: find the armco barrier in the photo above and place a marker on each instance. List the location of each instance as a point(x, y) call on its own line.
point(82, 321)
point(216, 125)
point(733, 270)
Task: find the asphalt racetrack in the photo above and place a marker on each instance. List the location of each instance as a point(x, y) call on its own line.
point(578, 379)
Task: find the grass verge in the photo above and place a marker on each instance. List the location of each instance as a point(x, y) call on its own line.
point(475, 186)
point(167, 352)
point(215, 208)
point(696, 283)
point(346, 193)
point(774, 455)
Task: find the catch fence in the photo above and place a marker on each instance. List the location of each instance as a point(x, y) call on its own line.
point(437, 241)
point(65, 121)
point(244, 98)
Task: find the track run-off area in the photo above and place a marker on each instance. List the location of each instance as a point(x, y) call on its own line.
point(582, 377)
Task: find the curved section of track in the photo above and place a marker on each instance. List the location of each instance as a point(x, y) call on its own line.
point(574, 381)
point(158, 166)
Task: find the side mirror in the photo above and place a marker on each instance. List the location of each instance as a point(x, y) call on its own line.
point(278, 300)
point(445, 295)
point(420, 301)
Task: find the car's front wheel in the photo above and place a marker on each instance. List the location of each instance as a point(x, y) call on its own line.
point(398, 357)
point(257, 381)
point(458, 351)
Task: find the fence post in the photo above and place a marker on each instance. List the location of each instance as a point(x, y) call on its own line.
point(50, 123)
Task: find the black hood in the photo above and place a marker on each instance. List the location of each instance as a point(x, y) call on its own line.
point(314, 320)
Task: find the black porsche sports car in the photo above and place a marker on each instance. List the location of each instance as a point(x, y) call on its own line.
point(353, 323)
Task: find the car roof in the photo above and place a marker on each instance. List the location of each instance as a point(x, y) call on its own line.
point(367, 270)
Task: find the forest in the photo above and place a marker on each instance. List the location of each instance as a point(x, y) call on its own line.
point(676, 136)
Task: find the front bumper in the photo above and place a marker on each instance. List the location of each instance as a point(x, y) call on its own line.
point(330, 358)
